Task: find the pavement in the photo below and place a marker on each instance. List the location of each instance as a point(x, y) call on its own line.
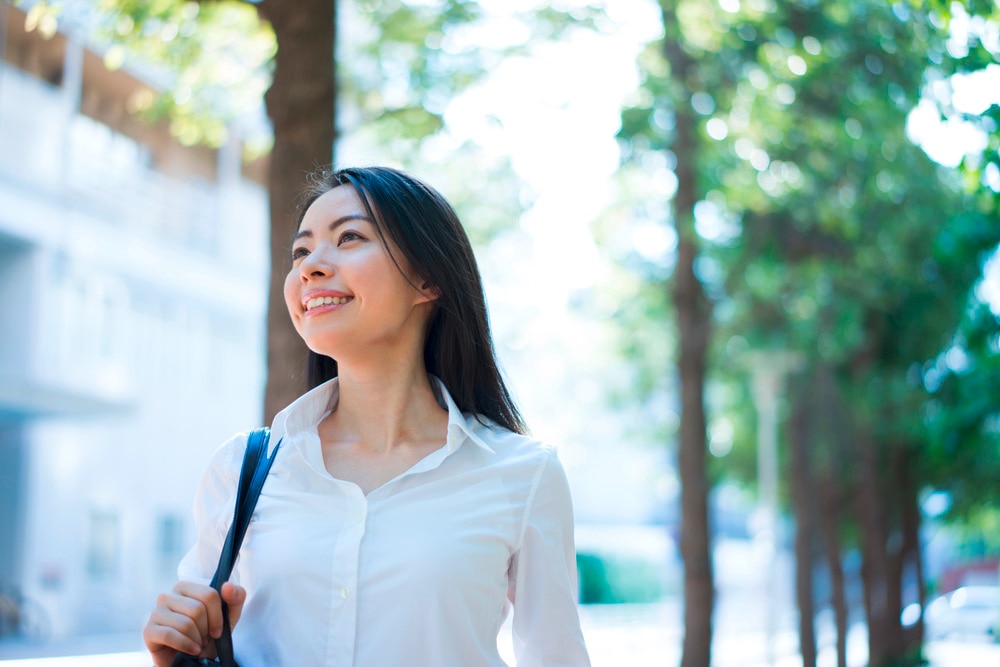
point(633, 635)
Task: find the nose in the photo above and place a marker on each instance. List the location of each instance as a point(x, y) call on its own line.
point(316, 264)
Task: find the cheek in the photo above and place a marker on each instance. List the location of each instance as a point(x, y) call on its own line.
point(292, 296)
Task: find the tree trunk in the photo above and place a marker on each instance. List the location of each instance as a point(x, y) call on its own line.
point(911, 535)
point(831, 498)
point(913, 555)
point(695, 545)
point(874, 569)
point(300, 104)
point(803, 486)
point(836, 451)
point(693, 312)
point(895, 552)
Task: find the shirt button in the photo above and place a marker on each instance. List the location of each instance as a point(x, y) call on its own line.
point(345, 592)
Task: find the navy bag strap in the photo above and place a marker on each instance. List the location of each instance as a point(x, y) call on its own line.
point(256, 464)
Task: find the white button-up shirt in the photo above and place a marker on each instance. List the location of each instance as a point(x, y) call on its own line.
point(421, 572)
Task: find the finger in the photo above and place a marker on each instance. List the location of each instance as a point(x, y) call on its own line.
point(168, 630)
point(209, 618)
point(234, 596)
point(191, 618)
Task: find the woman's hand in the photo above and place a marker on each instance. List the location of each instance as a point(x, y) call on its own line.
point(188, 619)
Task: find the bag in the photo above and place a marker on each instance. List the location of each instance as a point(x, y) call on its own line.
point(256, 465)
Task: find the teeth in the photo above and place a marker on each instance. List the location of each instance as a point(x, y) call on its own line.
point(326, 301)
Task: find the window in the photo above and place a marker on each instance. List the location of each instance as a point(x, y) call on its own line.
point(102, 551)
point(169, 543)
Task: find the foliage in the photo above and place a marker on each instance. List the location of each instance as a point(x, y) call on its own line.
point(972, 28)
point(618, 579)
point(213, 59)
point(963, 417)
point(824, 229)
point(401, 64)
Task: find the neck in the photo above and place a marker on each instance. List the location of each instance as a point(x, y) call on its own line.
point(387, 405)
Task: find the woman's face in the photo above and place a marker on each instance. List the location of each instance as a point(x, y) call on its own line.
point(344, 293)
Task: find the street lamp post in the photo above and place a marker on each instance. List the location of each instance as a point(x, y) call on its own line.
point(767, 371)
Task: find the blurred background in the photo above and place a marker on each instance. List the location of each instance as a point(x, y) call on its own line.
point(741, 263)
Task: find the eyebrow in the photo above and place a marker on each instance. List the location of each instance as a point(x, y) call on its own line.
point(305, 233)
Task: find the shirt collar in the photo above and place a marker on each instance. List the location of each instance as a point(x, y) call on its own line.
point(305, 412)
point(459, 423)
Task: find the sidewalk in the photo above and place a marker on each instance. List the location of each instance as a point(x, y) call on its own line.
point(137, 659)
point(118, 650)
point(632, 635)
point(630, 652)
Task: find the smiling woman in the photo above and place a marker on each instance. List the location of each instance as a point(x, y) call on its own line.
point(406, 512)
point(347, 293)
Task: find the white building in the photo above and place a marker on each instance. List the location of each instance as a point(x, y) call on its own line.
point(132, 296)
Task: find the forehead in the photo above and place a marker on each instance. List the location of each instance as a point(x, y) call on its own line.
point(341, 201)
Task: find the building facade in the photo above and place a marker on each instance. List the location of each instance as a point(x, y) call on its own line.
point(133, 275)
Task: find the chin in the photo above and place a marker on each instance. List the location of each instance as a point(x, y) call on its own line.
point(324, 349)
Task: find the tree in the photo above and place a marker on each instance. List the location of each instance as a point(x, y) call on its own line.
point(807, 223)
point(822, 229)
point(693, 326)
point(892, 309)
point(301, 105)
point(645, 127)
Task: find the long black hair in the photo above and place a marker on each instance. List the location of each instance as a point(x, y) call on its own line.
point(423, 225)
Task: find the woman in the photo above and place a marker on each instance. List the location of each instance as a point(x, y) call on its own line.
point(406, 512)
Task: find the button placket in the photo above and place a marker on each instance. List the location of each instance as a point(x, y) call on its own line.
point(350, 505)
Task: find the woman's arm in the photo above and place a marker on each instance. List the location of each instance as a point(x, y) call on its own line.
point(546, 623)
point(189, 617)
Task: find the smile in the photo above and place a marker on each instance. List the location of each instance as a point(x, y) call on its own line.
point(326, 301)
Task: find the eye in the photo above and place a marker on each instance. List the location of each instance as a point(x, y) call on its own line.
point(348, 236)
point(299, 253)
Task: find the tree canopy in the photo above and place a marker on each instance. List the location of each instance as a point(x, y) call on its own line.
point(823, 229)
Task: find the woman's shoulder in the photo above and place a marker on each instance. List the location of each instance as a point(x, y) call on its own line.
point(213, 500)
point(231, 450)
point(508, 443)
point(224, 465)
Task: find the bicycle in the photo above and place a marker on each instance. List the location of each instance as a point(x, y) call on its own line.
point(21, 616)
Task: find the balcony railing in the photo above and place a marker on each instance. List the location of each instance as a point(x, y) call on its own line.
point(100, 170)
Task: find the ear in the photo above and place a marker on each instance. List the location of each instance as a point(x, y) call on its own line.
point(429, 292)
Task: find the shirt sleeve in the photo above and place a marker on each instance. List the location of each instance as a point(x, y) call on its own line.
point(546, 624)
point(214, 502)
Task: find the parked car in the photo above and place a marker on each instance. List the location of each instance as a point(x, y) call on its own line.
point(969, 611)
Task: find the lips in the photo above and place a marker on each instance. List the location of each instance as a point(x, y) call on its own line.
point(324, 300)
